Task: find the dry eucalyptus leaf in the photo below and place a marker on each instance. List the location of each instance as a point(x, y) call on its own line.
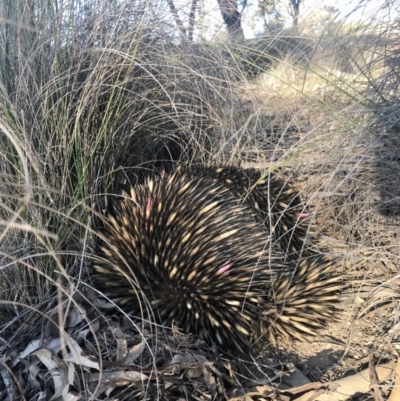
point(118, 379)
point(122, 349)
point(46, 358)
point(351, 385)
point(75, 317)
point(188, 358)
point(135, 352)
point(77, 356)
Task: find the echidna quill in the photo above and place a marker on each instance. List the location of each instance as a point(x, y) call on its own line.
point(274, 201)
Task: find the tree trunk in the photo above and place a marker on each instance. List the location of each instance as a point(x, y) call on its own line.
point(232, 19)
point(178, 21)
point(192, 20)
point(295, 11)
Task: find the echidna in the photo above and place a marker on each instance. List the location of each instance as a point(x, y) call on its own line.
point(185, 248)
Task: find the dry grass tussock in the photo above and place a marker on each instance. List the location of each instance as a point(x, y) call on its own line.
point(114, 98)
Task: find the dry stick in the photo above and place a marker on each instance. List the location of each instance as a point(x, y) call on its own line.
point(351, 385)
point(373, 377)
point(7, 374)
point(380, 309)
